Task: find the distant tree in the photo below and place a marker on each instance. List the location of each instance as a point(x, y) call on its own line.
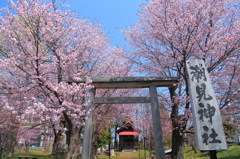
point(9, 123)
point(146, 124)
point(103, 139)
point(230, 129)
point(170, 32)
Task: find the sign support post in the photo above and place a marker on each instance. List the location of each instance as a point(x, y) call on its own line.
point(213, 154)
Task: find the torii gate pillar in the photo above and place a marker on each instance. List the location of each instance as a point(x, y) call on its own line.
point(87, 140)
point(157, 126)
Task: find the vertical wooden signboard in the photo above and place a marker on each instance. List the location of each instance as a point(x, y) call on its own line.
point(206, 114)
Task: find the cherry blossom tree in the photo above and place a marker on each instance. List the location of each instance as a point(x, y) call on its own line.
point(9, 121)
point(41, 47)
point(9, 126)
point(170, 32)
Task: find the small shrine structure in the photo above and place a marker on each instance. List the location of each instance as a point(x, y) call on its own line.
point(128, 137)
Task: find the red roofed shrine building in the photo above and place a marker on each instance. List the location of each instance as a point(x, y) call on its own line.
point(128, 137)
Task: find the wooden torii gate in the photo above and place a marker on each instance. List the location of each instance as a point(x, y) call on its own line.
point(121, 83)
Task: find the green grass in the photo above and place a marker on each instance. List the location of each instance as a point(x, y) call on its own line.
point(38, 154)
point(233, 152)
point(127, 155)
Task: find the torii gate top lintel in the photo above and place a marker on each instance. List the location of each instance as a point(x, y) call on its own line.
point(129, 82)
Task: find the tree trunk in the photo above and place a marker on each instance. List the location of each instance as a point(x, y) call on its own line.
point(150, 149)
point(178, 127)
point(27, 147)
point(115, 138)
point(193, 143)
point(151, 143)
point(177, 145)
point(74, 145)
point(45, 141)
point(194, 148)
point(10, 152)
point(73, 137)
point(56, 141)
point(10, 143)
point(94, 146)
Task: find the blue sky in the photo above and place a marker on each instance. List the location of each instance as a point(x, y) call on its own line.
point(112, 14)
